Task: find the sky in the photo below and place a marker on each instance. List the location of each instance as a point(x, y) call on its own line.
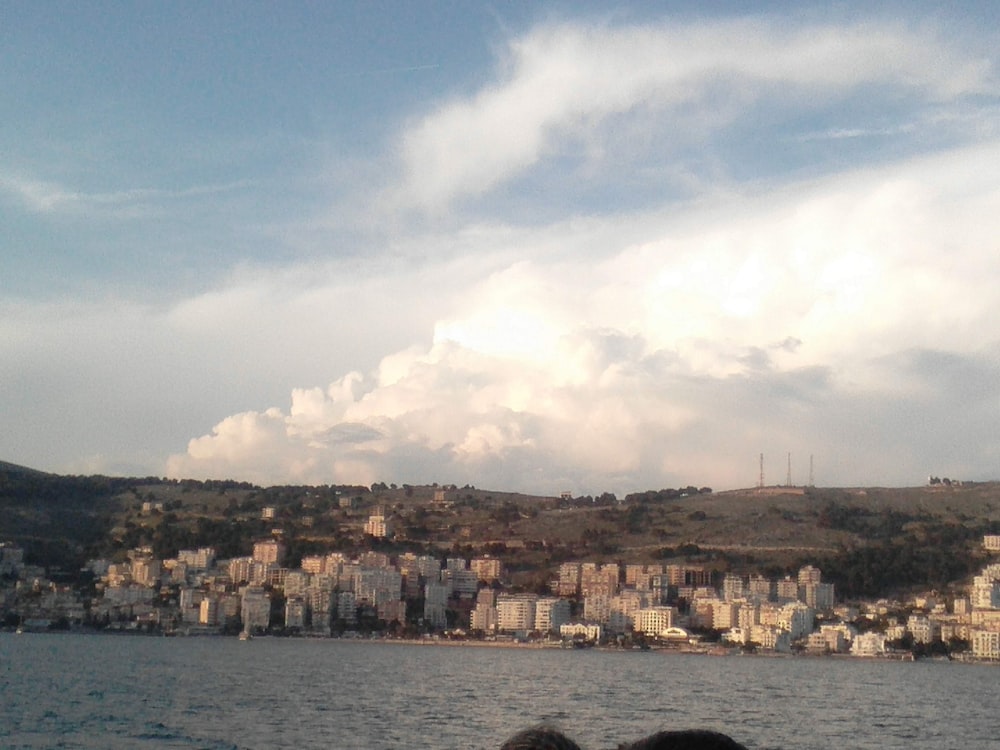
point(539, 247)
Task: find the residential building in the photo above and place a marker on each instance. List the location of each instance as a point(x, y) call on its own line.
point(551, 613)
point(516, 612)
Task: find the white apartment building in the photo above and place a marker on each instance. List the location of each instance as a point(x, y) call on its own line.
point(586, 630)
point(922, 628)
point(986, 644)
point(653, 621)
point(516, 612)
point(378, 525)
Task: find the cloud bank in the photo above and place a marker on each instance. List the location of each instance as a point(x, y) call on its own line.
point(851, 318)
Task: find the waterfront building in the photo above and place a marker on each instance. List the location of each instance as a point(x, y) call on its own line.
point(550, 613)
point(435, 604)
point(374, 585)
point(868, 644)
point(653, 621)
point(587, 631)
point(208, 611)
point(598, 579)
point(516, 612)
point(255, 610)
point(922, 628)
point(771, 638)
point(484, 616)
point(985, 644)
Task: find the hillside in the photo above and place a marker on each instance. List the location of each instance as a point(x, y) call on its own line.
point(867, 540)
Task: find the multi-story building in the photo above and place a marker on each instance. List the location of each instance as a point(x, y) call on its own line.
point(435, 604)
point(378, 525)
point(654, 620)
point(598, 579)
point(868, 644)
point(819, 596)
point(199, 559)
point(484, 616)
point(208, 611)
point(255, 610)
point(568, 583)
point(761, 588)
point(986, 644)
point(269, 551)
point(550, 613)
point(295, 613)
point(587, 631)
point(622, 609)
point(597, 608)
point(487, 569)
point(516, 612)
point(461, 583)
point(922, 628)
point(733, 587)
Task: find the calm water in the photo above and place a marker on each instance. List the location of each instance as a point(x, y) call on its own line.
point(84, 691)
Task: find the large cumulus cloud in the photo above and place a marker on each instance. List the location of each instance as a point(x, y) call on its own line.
point(852, 318)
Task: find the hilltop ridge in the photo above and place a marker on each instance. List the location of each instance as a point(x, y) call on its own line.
point(911, 532)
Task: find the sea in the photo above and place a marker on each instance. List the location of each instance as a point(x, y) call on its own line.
point(103, 691)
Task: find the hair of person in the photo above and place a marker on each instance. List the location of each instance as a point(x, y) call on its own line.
point(689, 739)
point(540, 738)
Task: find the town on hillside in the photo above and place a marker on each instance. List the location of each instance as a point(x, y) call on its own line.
point(679, 606)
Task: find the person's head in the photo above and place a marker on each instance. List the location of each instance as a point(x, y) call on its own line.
point(690, 739)
point(540, 738)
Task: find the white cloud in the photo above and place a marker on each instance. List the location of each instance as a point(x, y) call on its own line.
point(560, 82)
point(770, 322)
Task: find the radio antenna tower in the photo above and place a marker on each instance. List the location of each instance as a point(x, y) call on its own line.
point(812, 483)
point(760, 482)
point(788, 477)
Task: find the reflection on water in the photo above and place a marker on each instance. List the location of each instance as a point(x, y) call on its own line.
point(78, 691)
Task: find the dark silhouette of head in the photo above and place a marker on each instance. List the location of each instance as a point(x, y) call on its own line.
point(691, 739)
point(540, 738)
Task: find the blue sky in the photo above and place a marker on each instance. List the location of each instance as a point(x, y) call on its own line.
point(535, 246)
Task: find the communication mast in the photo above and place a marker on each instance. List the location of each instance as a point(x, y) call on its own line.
point(760, 482)
point(788, 477)
point(812, 483)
